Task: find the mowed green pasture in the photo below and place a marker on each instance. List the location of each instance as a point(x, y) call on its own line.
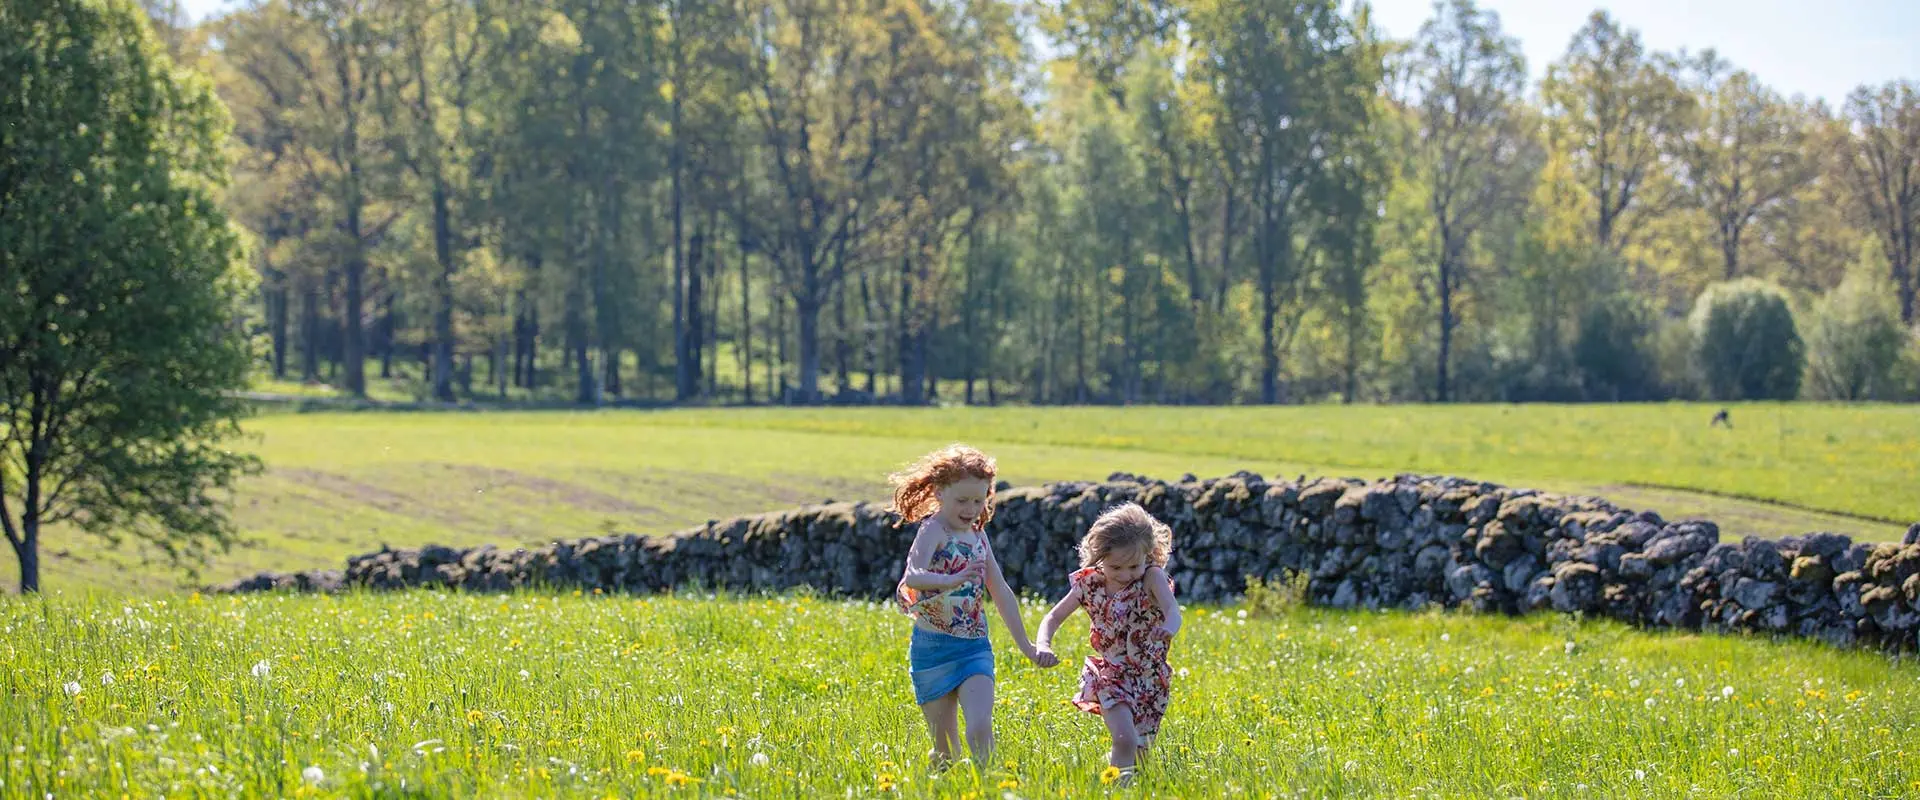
point(343, 483)
point(529, 695)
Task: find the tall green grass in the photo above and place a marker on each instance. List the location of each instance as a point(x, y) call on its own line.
point(528, 695)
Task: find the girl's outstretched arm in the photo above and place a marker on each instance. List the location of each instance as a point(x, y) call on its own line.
point(1009, 606)
point(917, 575)
point(1162, 587)
point(1055, 618)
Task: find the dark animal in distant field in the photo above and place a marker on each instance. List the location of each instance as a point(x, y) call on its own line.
point(1722, 418)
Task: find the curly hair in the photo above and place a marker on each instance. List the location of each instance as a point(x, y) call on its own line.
point(1125, 527)
point(916, 489)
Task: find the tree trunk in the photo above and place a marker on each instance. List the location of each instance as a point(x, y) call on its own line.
point(442, 294)
point(588, 394)
point(694, 321)
point(278, 304)
point(355, 350)
point(27, 552)
point(842, 342)
point(310, 332)
point(684, 366)
point(808, 310)
point(746, 329)
point(1446, 326)
point(1269, 311)
point(869, 344)
point(912, 369)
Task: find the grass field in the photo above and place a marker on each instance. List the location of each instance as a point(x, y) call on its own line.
point(344, 483)
point(570, 696)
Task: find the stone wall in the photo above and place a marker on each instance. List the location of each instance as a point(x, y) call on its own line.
point(1408, 542)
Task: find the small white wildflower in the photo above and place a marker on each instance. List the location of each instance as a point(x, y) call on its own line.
point(106, 679)
point(1726, 691)
point(1733, 752)
point(1353, 629)
point(72, 687)
point(759, 760)
point(1183, 672)
point(312, 775)
point(1579, 787)
point(1468, 671)
point(525, 674)
point(1569, 648)
point(1639, 775)
point(1679, 683)
point(1240, 622)
point(1446, 637)
point(1635, 683)
point(262, 669)
point(1649, 702)
point(1242, 613)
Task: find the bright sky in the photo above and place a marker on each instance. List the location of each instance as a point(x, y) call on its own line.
point(1818, 48)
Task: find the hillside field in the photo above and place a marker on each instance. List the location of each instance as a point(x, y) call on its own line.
point(337, 484)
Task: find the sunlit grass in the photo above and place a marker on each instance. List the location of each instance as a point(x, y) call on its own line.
point(594, 696)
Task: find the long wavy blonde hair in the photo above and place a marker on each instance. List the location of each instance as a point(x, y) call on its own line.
point(1125, 527)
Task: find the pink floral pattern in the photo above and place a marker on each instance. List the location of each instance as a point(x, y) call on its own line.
point(1129, 665)
point(960, 611)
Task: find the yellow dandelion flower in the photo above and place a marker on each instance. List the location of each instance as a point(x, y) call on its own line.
point(655, 772)
point(475, 716)
point(1109, 775)
point(884, 782)
point(1010, 783)
point(678, 778)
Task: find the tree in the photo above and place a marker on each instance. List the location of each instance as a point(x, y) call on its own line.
point(1295, 82)
point(1614, 108)
point(1746, 346)
point(1854, 337)
point(119, 348)
point(1471, 141)
point(1882, 163)
point(1743, 152)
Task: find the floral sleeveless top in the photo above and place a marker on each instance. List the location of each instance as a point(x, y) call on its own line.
point(960, 611)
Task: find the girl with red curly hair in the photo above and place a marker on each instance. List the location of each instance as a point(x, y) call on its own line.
point(950, 571)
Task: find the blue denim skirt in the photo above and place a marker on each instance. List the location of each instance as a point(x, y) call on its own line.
point(939, 663)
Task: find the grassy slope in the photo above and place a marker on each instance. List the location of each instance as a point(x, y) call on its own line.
point(591, 696)
point(340, 484)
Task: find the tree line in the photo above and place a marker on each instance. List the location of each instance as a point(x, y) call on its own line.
point(1064, 201)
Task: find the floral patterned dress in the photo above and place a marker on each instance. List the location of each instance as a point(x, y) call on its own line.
point(960, 611)
point(1130, 661)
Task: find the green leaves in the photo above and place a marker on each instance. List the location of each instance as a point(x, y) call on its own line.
point(119, 354)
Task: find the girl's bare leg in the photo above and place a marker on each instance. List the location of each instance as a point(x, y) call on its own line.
point(976, 700)
point(1126, 740)
point(943, 725)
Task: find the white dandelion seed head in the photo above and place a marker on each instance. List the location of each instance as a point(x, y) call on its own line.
point(1733, 752)
point(1183, 672)
point(1726, 691)
point(1679, 683)
point(1649, 702)
point(106, 679)
point(1635, 683)
point(262, 669)
point(759, 760)
point(1569, 648)
point(312, 775)
point(525, 674)
point(1639, 774)
point(1446, 637)
point(1353, 629)
point(1242, 613)
point(72, 687)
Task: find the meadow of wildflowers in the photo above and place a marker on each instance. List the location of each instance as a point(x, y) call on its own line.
point(572, 695)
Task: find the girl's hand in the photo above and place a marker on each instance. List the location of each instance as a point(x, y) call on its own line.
point(1044, 658)
point(975, 572)
point(1163, 633)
